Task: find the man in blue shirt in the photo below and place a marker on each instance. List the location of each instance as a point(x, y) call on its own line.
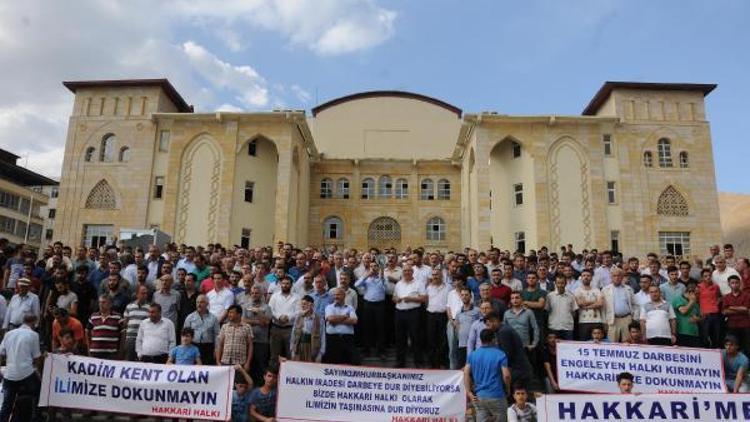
point(484, 388)
point(321, 295)
point(373, 313)
point(340, 321)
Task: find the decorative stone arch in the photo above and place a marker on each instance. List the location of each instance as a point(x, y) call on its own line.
point(525, 146)
point(553, 170)
point(257, 137)
point(672, 203)
point(203, 143)
point(102, 196)
point(95, 137)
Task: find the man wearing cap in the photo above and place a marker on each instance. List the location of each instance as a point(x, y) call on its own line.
point(20, 304)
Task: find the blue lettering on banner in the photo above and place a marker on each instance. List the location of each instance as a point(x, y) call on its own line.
point(728, 412)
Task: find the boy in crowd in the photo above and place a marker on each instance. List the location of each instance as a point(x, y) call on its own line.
point(521, 410)
point(241, 395)
point(625, 382)
point(597, 335)
point(186, 353)
point(263, 398)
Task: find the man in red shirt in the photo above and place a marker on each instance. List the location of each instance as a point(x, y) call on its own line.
point(709, 298)
point(743, 267)
point(64, 320)
point(499, 290)
point(736, 307)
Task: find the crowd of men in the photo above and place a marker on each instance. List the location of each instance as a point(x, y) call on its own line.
point(251, 308)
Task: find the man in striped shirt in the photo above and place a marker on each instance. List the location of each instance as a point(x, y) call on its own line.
point(104, 330)
point(135, 312)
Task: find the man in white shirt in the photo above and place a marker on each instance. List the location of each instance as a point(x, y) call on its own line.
point(284, 306)
point(642, 297)
point(514, 284)
point(590, 303)
point(453, 308)
point(220, 298)
point(602, 274)
point(658, 320)
point(408, 296)
point(21, 350)
point(721, 274)
point(437, 304)
point(156, 337)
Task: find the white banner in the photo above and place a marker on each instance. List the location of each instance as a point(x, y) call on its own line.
point(313, 392)
point(643, 407)
point(592, 367)
point(193, 392)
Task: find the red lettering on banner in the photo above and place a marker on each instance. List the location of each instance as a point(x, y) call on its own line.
point(423, 419)
point(161, 410)
point(206, 413)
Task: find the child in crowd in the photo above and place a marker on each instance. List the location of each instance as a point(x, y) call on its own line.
point(186, 353)
point(597, 335)
point(241, 395)
point(521, 411)
point(263, 399)
point(67, 343)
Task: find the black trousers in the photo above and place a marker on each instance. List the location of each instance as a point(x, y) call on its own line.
point(23, 395)
point(154, 358)
point(259, 362)
point(374, 325)
point(408, 330)
point(208, 351)
point(437, 341)
point(689, 341)
point(660, 341)
point(340, 349)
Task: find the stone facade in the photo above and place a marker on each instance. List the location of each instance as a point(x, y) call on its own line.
point(390, 168)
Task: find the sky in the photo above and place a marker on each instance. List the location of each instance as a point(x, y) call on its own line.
point(514, 57)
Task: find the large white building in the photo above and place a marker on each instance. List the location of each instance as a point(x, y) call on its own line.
point(633, 172)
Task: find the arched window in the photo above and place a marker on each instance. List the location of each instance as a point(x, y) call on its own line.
point(672, 203)
point(368, 188)
point(385, 187)
point(435, 229)
point(684, 160)
point(333, 228)
point(107, 150)
point(402, 189)
point(342, 188)
point(124, 154)
point(664, 148)
point(326, 188)
point(252, 148)
point(444, 189)
point(648, 159)
point(89, 154)
point(427, 189)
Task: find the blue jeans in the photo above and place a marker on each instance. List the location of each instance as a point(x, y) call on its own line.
point(491, 410)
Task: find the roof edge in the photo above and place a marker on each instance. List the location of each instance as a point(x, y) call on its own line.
point(397, 94)
point(162, 83)
point(604, 92)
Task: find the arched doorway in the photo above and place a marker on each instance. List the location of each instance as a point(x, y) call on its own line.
point(384, 232)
